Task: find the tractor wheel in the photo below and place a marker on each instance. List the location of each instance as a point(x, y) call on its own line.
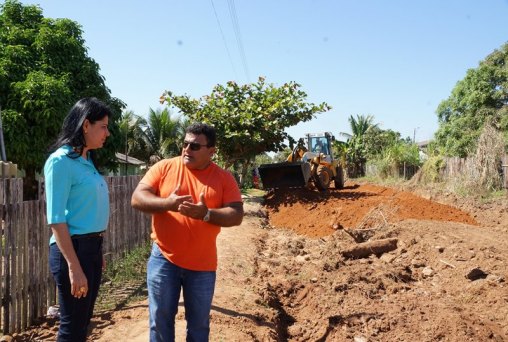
point(322, 177)
point(339, 179)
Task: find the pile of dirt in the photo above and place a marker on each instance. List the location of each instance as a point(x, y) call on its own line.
point(444, 281)
point(432, 268)
point(318, 214)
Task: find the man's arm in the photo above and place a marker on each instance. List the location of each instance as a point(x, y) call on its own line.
point(228, 216)
point(231, 214)
point(145, 199)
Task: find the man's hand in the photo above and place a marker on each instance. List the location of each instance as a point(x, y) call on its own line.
point(175, 201)
point(196, 211)
point(145, 199)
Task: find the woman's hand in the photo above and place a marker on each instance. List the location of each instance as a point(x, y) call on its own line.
point(79, 283)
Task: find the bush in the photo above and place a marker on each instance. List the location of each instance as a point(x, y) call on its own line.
point(432, 169)
point(394, 158)
point(481, 173)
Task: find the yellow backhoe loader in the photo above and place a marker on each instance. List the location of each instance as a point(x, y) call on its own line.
point(310, 164)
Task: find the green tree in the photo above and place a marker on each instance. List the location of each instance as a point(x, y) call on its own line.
point(263, 158)
point(356, 149)
point(339, 151)
point(250, 119)
point(163, 134)
point(377, 140)
point(44, 69)
point(154, 138)
point(282, 155)
point(400, 154)
point(482, 94)
point(389, 152)
point(131, 131)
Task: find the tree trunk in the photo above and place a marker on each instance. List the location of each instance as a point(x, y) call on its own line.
point(364, 250)
point(245, 169)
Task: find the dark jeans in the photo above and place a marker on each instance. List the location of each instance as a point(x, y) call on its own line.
point(164, 282)
point(75, 314)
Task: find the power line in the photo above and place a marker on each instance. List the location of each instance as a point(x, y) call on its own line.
point(236, 29)
point(224, 39)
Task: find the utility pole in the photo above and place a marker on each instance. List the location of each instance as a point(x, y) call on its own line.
point(414, 134)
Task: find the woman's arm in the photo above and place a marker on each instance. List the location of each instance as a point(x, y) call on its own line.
point(76, 275)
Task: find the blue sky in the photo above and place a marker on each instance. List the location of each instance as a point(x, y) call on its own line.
point(393, 59)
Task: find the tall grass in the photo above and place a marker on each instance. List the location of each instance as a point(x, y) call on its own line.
point(481, 174)
point(124, 279)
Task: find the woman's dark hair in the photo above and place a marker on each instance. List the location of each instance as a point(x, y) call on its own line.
point(72, 128)
point(198, 128)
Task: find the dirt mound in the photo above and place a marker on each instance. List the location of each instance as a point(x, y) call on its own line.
point(316, 214)
point(444, 282)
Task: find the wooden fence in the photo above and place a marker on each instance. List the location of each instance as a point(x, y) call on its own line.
point(454, 167)
point(27, 288)
point(405, 171)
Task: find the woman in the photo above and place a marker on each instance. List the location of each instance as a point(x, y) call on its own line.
point(77, 212)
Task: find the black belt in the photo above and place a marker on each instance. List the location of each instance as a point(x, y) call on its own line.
point(87, 236)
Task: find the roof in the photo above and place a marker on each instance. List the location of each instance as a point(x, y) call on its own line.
point(130, 160)
point(424, 143)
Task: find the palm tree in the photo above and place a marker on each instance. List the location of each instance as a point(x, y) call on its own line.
point(154, 138)
point(355, 151)
point(359, 126)
point(163, 134)
point(130, 126)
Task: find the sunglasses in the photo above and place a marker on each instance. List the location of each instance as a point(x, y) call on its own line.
point(194, 146)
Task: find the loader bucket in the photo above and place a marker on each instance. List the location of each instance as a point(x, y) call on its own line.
point(284, 175)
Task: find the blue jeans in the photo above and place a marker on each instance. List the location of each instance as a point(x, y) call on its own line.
point(75, 314)
point(165, 280)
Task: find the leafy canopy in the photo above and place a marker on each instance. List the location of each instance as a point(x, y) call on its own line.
point(154, 138)
point(44, 70)
point(250, 119)
point(354, 151)
point(480, 96)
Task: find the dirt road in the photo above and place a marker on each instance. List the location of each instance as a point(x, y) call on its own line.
point(283, 275)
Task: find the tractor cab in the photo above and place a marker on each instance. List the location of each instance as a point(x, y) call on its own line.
point(320, 143)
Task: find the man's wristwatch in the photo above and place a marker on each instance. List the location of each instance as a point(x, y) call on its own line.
point(206, 218)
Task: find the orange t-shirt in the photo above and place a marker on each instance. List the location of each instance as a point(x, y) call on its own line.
point(187, 242)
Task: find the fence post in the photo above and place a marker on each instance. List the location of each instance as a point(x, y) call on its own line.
point(504, 164)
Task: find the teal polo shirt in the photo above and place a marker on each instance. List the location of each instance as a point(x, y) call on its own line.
point(76, 193)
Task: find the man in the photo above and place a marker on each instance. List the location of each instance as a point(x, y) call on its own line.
point(318, 147)
point(190, 199)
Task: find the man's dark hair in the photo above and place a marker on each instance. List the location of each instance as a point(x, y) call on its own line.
point(198, 128)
